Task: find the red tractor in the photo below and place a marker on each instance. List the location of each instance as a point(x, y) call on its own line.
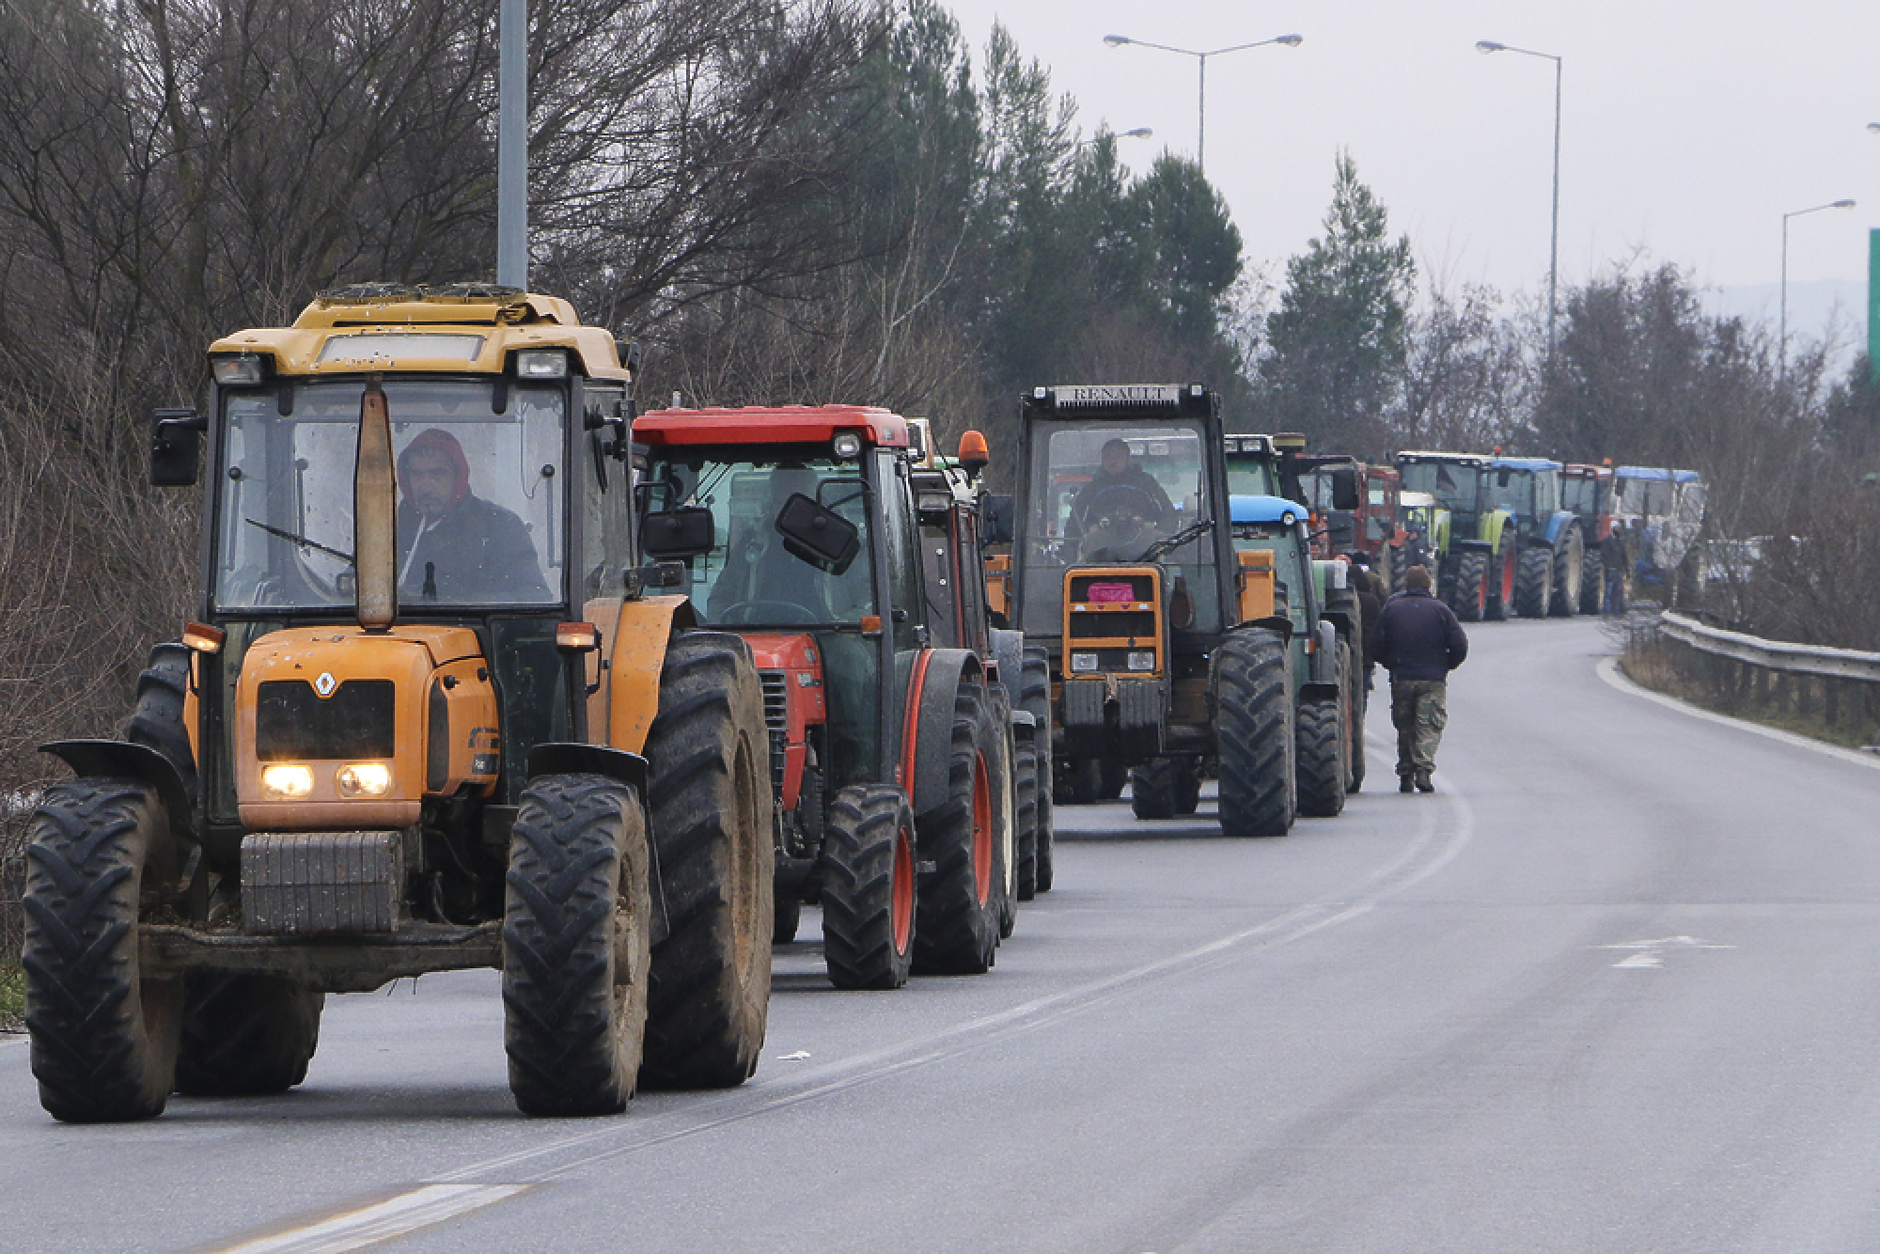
point(1354, 510)
point(890, 754)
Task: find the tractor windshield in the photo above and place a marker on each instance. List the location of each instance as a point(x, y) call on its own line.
point(1451, 483)
point(1108, 493)
point(480, 519)
point(1512, 490)
point(755, 575)
point(1587, 496)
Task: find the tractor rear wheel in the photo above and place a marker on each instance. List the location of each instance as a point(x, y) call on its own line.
point(1254, 729)
point(1187, 785)
point(1322, 764)
point(1026, 791)
point(868, 888)
point(1034, 697)
point(577, 951)
point(104, 1036)
point(1472, 587)
point(1569, 570)
point(1593, 582)
point(1534, 582)
point(245, 1035)
point(1000, 748)
point(1152, 788)
point(709, 802)
point(1351, 683)
point(156, 721)
point(956, 925)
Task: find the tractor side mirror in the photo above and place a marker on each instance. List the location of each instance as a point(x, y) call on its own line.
point(175, 447)
point(818, 535)
point(995, 526)
point(678, 533)
point(1345, 487)
point(1502, 476)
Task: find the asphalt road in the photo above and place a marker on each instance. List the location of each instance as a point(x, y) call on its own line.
point(1614, 988)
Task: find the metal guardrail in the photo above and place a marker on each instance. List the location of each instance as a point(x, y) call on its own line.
point(1776, 655)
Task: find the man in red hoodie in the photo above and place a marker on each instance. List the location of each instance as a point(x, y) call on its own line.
point(456, 548)
point(1419, 642)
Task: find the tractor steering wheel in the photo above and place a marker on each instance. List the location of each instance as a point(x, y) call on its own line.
point(783, 613)
point(1124, 499)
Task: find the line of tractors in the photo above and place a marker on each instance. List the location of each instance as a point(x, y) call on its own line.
point(492, 669)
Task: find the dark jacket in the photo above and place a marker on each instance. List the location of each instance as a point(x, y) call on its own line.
point(1133, 476)
point(478, 554)
point(1369, 608)
point(1418, 637)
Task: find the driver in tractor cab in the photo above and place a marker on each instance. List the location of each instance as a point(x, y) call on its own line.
point(1122, 508)
point(759, 571)
point(453, 546)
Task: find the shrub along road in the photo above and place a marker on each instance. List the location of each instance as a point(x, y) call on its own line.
point(1613, 988)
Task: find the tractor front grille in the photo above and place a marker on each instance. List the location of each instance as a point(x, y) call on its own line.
point(776, 685)
point(294, 723)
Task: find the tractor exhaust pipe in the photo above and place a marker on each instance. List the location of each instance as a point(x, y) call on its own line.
point(375, 514)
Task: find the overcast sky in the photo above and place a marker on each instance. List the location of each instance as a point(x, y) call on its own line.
point(1688, 129)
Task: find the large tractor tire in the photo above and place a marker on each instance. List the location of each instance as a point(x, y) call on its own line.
point(786, 917)
point(956, 928)
point(1569, 570)
point(156, 721)
point(1534, 582)
point(1034, 697)
point(1593, 582)
point(1027, 794)
point(1001, 752)
point(1351, 683)
point(245, 1035)
point(1322, 760)
point(1472, 586)
point(1153, 789)
point(1187, 786)
point(1503, 577)
point(577, 946)
point(709, 804)
point(1254, 729)
point(104, 1037)
point(868, 888)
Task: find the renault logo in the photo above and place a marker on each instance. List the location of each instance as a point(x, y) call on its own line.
point(325, 684)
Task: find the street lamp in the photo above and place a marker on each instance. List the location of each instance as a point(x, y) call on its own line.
point(1553, 252)
point(1140, 132)
point(1782, 332)
point(1201, 59)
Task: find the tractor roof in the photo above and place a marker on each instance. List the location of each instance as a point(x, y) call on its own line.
point(1463, 459)
point(781, 424)
point(1523, 463)
point(469, 329)
point(1585, 470)
point(1657, 472)
point(1132, 401)
point(1264, 509)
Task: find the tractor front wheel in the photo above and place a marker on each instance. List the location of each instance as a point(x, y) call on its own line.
point(1254, 730)
point(1472, 587)
point(1534, 582)
point(868, 888)
point(957, 924)
point(245, 1035)
point(104, 1036)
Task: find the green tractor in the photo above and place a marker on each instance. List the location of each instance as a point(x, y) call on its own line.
point(1164, 656)
point(1475, 550)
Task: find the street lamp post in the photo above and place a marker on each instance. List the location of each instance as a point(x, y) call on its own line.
point(1553, 250)
point(1782, 328)
point(1139, 132)
point(1201, 60)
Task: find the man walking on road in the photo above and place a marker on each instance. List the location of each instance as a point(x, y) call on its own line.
point(1419, 642)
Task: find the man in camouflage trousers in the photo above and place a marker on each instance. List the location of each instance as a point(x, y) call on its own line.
point(1419, 642)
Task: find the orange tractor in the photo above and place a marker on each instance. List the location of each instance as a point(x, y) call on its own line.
point(435, 715)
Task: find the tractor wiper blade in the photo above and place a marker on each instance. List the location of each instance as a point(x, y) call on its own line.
point(298, 539)
point(1192, 532)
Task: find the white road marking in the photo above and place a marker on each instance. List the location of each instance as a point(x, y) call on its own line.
point(1649, 954)
point(421, 1208)
point(1609, 671)
point(799, 1056)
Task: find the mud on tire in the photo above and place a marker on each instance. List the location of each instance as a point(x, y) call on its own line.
point(956, 925)
point(868, 888)
point(709, 805)
point(1569, 570)
point(577, 928)
point(156, 721)
point(104, 1037)
point(1254, 731)
point(245, 1035)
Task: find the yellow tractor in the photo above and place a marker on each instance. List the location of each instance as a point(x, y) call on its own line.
point(435, 715)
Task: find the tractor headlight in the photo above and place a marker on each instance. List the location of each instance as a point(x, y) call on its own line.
point(364, 779)
point(542, 363)
point(1142, 659)
point(1083, 663)
point(243, 371)
point(283, 781)
point(848, 446)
